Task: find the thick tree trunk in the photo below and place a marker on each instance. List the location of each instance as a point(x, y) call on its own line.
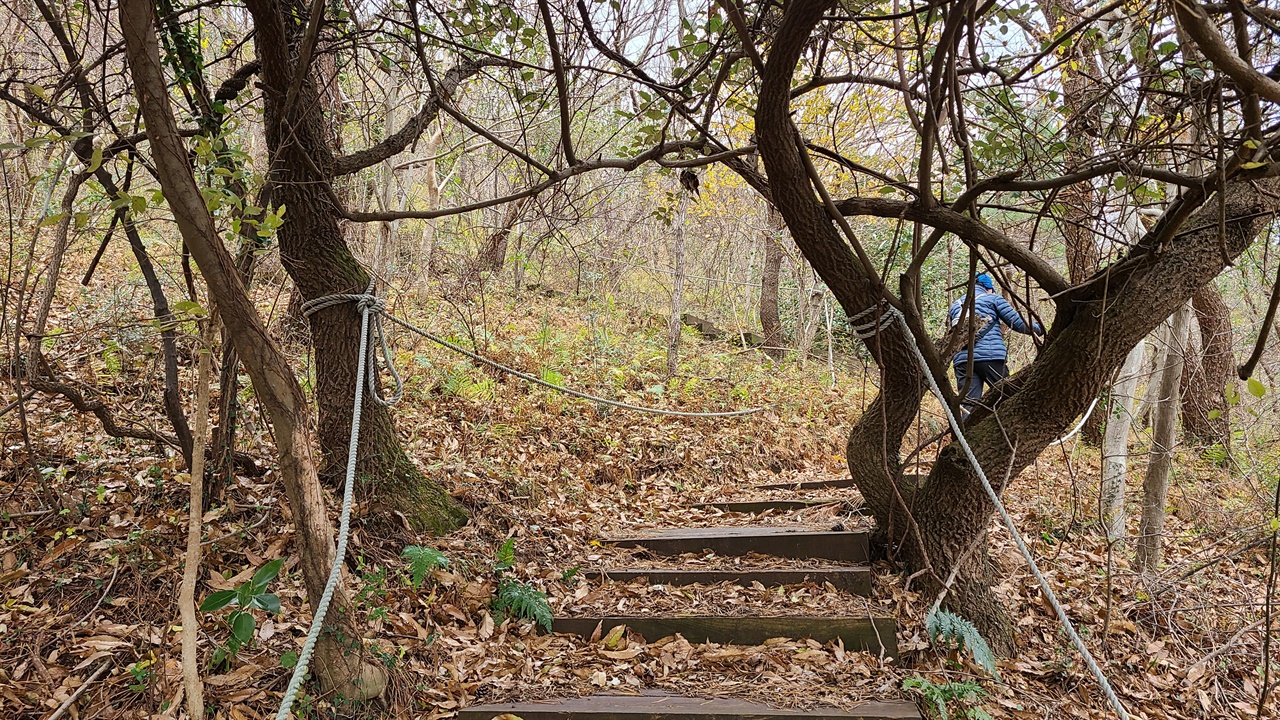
point(316, 256)
point(770, 319)
point(339, 669)
point(1209, 369)
point(1115, 445)
point(1155, 486)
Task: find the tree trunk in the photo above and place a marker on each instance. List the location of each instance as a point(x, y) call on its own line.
point(317, 258)
point(1159, 358)
point(1208, 371)
point(339, 670)
point(770, 319)
point(493, 255)
point(810, 310)
point(1155, 486)
point(1115, 445)
point(675, 326)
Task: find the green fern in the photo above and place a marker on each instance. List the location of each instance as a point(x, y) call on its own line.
point(520, 600)
point(423, 560)
point(952, 628)
point(946, 698)
point(506, 557)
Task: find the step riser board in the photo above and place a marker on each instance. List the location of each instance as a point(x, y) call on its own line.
point(856, 580)
point(843, 546)
point(867, 634)
point(654, 706)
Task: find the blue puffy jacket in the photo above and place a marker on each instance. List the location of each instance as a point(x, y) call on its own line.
point(991, 309)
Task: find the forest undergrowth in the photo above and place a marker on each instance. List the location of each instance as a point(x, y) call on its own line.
point(93, 528)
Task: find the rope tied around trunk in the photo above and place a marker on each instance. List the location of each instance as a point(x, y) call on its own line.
point(895, 314)
point(373, 308)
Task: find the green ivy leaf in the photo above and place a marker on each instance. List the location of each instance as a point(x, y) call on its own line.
point(96, 161)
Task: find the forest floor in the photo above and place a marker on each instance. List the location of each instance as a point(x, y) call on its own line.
point(93, 530)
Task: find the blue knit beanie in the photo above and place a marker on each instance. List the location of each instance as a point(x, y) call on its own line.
point(985, 281)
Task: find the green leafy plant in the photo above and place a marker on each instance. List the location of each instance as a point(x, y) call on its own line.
point(422, 560)
point(518, 599)
point(141, 674)
point(505, 558)
point(950, 699)
point(515, 597)
point(244, 599)
point(951, 629)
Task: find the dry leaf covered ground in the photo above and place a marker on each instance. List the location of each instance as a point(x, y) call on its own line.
point(93, 529)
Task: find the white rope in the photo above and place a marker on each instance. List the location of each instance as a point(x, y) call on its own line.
point(1079, 426)
point(1008, 523)
point(872, 327)
point(368, 304)
point(378, 306)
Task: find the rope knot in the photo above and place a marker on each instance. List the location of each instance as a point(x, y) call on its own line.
point(371, 303)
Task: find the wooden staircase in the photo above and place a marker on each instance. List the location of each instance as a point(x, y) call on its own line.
point(845, 556)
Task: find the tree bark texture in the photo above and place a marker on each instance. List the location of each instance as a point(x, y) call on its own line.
point(1164, 436)
point(317, 258)
point(493, 255)
point(770, 319)
point(1096, 326)
point(1208, 370)
point(1115, 445)
point(338, 664)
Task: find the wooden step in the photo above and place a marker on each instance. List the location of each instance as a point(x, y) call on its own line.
point(810, 485)
point(762, 506)
point(785, 542)
point(871, 634)
point(855, 579)
point(652, 705)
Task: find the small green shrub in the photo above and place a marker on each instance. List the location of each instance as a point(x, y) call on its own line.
point(244, 599)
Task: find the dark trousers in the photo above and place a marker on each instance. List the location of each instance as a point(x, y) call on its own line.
point(985, 374)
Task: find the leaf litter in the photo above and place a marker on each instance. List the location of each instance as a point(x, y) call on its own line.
point(90, 550)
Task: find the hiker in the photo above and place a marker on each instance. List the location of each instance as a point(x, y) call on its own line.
point(989, 351)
